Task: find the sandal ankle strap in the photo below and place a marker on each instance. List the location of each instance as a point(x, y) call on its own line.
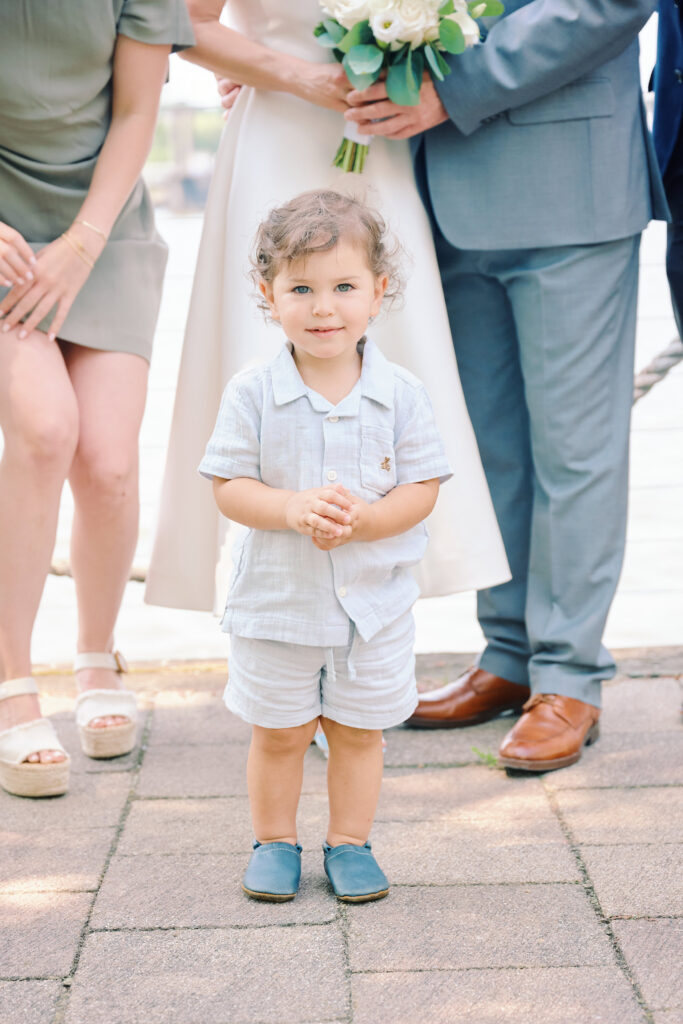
point(18, 687)
point(112, 660)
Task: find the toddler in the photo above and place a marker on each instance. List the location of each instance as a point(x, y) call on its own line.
point(330, 455)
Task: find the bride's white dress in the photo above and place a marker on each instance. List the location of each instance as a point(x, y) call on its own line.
point(273, 147)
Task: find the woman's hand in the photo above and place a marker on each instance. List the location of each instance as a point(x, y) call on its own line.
point(326, 85)
point(319, 512)
point(17, 261)
point(59, 274)
point(228, 92)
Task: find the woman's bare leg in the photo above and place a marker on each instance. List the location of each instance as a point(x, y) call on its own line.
point(39, 422)
point(110, 389)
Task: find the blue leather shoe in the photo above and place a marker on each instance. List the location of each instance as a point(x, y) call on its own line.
point(273, 872)
point(355, 875)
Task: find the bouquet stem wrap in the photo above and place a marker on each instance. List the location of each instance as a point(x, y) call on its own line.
point(353, 150)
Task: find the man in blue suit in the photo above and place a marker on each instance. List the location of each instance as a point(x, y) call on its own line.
point(668, 138)
point(537, 169)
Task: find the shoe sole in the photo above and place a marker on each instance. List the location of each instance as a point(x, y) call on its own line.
point(109, 741)
point(460, 723)
point(269, 897)
point(592, 735)
point(364, 899)
point(35, 780)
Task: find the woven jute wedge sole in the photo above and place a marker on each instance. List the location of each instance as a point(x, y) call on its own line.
point(35, 780)
point(109, 741)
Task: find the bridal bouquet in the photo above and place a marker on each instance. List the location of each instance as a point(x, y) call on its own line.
point(401, 38)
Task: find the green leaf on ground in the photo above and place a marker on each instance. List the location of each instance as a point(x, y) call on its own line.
point(490, 760)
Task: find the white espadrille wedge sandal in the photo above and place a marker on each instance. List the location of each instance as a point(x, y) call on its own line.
point(111, 740)
point(17, 775)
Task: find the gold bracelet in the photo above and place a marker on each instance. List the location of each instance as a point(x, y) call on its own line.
point(87, 224)
point(78, 249)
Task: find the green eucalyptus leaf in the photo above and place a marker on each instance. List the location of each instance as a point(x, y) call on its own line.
point(493, 8)
point(365, 59)
point(326, 40)
point(361, 33)
point(402, 86)
point(432, 61)
point(451, 37)
point(334, 29)
point(397, 56)
point(358, 81)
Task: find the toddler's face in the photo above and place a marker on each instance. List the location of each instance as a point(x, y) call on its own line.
point(324, 300)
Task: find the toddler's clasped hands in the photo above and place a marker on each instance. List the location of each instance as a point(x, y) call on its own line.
point(330, 516)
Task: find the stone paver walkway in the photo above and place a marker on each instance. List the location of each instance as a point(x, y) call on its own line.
point(535, 900)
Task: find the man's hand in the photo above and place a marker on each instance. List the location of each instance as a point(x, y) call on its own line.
point(374, 113)
point(323, 512)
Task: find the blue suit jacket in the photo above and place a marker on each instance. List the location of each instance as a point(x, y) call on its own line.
point(668, 80)
point(547, 142)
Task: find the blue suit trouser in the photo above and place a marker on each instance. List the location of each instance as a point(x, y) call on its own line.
point(673, 186)
point(544, 340)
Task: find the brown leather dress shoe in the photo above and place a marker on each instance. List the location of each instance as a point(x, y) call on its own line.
point(476, 696)
point(550, 734)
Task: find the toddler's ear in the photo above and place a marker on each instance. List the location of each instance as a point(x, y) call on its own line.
point(266, 289)
point(381, 285)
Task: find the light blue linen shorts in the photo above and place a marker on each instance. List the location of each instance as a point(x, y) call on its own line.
point(369, 685)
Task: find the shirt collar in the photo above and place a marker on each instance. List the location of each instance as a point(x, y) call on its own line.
point(376, 382)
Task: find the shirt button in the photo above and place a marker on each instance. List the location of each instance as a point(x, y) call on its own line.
point(331, 474)
point(333, 419)
point(342, 591)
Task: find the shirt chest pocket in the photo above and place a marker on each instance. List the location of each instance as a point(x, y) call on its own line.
point(377, 459)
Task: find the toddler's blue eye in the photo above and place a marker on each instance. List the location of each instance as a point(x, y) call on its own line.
point(301, 289)
point(346, 287)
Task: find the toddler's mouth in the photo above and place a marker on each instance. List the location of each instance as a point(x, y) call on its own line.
point(324, 331)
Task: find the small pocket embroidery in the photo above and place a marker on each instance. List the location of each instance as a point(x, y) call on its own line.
point(377, 462)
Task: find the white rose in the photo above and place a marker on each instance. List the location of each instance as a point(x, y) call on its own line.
point(469, 27)
point(387, 27)
point(420, 20)
point(347, 12)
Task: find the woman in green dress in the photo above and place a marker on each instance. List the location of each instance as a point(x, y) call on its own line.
point(81, 269)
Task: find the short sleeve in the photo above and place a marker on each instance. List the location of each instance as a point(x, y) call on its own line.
point(157, 22)
point(418, 448)
point(234, 449)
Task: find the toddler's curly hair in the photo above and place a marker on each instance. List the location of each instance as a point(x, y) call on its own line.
point(315, 222)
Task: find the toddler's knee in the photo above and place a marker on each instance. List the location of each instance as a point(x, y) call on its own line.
point(350, 736)
point(283, 742)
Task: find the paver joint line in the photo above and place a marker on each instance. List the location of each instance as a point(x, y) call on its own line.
point(621, 961)
point(210, 927)
point(134, 771)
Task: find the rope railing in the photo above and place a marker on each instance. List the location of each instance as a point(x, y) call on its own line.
point(643, 382)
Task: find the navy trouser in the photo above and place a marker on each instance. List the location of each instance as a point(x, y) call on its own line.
point(673, 185)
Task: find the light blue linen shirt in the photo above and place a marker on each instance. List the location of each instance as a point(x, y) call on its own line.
point(273, 428)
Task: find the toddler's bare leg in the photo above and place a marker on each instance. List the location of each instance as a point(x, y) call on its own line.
point(274, 774)
point(354, 778)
